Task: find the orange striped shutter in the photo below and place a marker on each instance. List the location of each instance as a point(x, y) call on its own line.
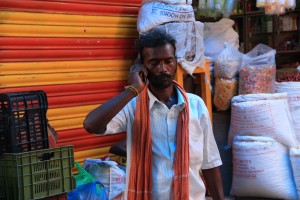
point(77, 51)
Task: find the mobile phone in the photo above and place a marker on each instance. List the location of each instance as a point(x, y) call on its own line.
point(143, 76)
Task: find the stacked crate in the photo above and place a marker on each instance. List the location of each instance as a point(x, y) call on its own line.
point(23, 122)
point(28, 168)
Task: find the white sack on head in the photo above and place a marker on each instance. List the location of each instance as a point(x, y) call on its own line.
point(262, 115)
point(189, 43)
point(293, 91)
point(295, 160)
point(189, 2)
point(216, 34)
point(261, 169)
point(156, 13)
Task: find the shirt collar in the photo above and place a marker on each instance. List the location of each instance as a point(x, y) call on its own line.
point(153, 99)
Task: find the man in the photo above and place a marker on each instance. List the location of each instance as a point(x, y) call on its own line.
point(169, 134)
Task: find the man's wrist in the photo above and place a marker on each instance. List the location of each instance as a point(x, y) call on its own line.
point(132, 89)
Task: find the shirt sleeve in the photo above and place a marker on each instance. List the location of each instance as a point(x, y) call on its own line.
point(123, 119)
point(211, 155)
point(117, 124)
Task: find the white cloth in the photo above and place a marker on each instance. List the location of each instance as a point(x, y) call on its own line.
point(204, 152)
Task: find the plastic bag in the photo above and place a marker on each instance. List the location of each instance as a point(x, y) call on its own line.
point(227, 63)
point(260, 55)
point(88, 191)
point(216, 34)
point(258, 71)
point(108, 173)
point(83, 177)
point(225, 89)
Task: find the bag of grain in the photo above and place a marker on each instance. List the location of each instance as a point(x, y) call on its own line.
point(225, 89)
point(262, 115)
point(216, 34)
point(153, 14)
point(189, 2)
point(227, 63)
point(293, 91)
point(261, 169)
point(189, 43)
point(258, 71)
point(295, 160)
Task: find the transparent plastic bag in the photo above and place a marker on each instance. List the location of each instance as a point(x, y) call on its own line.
point(258, 71)
point(228, 62)
point(259, 55)
point(224, 91)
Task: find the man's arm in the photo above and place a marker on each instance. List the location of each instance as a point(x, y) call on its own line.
point(214, 184)
point(97, 119)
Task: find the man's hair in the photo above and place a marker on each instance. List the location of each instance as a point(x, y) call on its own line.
point(154, 38)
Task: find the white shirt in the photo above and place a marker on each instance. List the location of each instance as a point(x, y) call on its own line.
point(204, 152)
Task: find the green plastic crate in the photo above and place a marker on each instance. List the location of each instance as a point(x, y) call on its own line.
point(36, 174)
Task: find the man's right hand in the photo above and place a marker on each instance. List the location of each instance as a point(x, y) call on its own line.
point(137, 76)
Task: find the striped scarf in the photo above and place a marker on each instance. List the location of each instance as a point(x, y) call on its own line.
point(140, 178)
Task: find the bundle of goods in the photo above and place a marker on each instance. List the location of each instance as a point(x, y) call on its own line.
point(36, 174)
point(293, 92)
point(258, 71)
point(189, 43)
point(216, 34)
point(152, 14)
point(295, 161)
point(226, 66)
point(87, 187)
point(261, 169)
point(228, 62)
point(273, 7)
point(262, 115)
point(109, 174)
point(23, 122)
point(211, 8)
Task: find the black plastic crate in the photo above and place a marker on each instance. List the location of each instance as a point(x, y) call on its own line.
point(23, 122)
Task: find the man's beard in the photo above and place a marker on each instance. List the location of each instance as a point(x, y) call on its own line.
point(160, 81)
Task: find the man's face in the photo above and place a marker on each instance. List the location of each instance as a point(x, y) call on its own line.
point(161, 65)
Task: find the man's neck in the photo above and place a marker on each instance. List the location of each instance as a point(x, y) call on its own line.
point(167, 95)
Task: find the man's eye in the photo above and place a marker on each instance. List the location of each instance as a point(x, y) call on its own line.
point(153, 64)
point(169, 61)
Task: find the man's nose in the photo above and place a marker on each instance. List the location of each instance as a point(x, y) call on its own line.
point(162, 66)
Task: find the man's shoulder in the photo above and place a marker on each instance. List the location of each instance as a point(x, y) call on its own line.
point(192, 96)
point(195, 99)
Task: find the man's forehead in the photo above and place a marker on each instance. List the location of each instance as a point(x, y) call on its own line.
point(167, 48)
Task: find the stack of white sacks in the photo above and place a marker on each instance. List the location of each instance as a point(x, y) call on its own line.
point(264, 136)
point(177, 18)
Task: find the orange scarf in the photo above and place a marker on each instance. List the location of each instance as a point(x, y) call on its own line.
point(140, 178)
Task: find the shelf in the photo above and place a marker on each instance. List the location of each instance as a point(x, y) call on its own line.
point(237, 15)
point(259, 34)
point(255, 13)
point(287, 51)
point(287, 32)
